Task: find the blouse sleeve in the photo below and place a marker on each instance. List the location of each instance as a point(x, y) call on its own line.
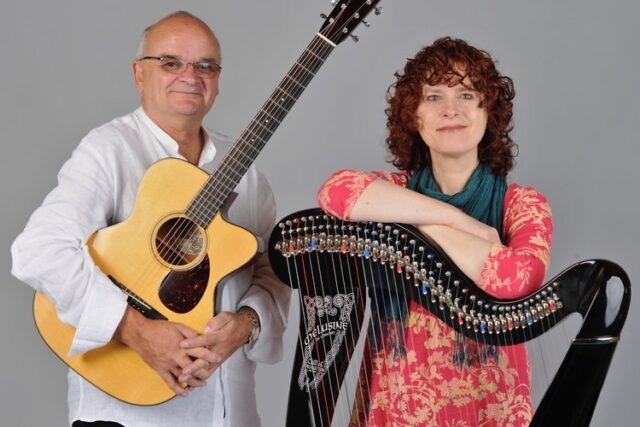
point(519, 267)
point(341, 191)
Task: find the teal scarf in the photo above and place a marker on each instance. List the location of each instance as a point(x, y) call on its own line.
point(482, 198)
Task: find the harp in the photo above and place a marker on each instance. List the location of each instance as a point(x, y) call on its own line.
point(334, 265)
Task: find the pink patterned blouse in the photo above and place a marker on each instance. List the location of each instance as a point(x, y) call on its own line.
point(422, 386)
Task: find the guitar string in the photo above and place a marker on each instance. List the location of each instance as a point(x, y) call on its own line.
point(181, 229)
point(325, 32)
point(258, 131)
point(214, 183)
point(242, 141)
point(210, 186)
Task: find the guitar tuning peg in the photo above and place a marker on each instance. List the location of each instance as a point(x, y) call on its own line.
point(365, 23)
point(355, 38)
point(333, 2)
point(377, 10)
point(323, 15)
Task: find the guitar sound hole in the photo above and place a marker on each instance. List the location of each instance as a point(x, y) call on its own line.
point(179, 241)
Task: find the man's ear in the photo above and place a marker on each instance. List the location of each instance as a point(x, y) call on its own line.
point(138, 75)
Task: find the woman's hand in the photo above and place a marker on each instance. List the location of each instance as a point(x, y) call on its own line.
point(464, 222)
point(468, 251)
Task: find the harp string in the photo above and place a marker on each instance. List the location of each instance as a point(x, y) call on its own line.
point(345, 280)
point(311, 305)
point(360, 284)
point(295, 278)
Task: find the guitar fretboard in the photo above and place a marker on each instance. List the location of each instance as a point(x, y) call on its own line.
point(250, 143)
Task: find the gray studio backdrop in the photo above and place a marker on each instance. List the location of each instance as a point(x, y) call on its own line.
point(66, 69)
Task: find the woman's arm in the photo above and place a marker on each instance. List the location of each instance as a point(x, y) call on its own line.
point(378, 196)
point(467, 251)
point(519, 267)
point(516, 268)
point(387, 202)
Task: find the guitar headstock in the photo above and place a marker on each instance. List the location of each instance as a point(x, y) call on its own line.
point(345, 16)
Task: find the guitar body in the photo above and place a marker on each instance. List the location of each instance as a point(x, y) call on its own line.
point(168, 262)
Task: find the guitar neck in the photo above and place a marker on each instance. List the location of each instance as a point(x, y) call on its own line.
point(255, 136)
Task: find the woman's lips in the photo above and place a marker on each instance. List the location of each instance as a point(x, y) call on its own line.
point(452, 128)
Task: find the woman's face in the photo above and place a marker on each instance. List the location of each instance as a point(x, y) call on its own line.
point(451, 121)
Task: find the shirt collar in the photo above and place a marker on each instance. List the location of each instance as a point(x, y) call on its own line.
point(208, 151)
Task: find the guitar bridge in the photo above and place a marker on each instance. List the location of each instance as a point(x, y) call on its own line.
point(138, 303)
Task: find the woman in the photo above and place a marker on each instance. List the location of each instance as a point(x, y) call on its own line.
point(449, 120)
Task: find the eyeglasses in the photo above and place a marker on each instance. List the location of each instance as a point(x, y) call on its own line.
point(174, 65)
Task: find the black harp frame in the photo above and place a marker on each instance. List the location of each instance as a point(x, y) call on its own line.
point(328, 261)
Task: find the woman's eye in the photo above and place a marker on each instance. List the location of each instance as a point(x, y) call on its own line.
point(432, 97)
point(467, 96)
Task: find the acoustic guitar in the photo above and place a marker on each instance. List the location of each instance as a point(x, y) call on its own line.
point(171, 253)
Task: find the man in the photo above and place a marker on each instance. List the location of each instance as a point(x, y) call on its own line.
point(176, 73)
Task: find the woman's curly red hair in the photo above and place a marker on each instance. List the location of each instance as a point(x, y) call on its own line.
point(450, 61)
